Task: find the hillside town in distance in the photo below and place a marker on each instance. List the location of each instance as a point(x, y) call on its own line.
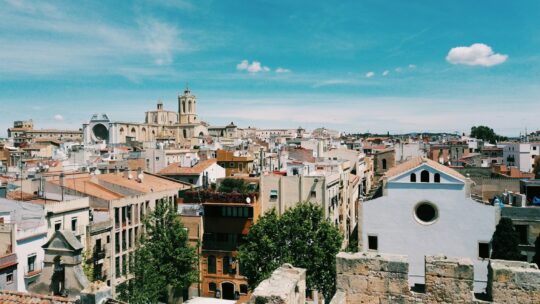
point(418, 218)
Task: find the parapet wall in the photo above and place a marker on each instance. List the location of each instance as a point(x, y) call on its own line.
point(383, 278)
point(287, 285)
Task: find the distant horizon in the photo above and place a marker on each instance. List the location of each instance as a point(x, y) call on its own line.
point(377, 66)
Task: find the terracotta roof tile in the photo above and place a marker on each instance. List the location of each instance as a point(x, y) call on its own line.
point(415, 162)
point(175, 169)
point(15, 297)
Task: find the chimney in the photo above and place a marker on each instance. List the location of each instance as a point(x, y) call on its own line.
point(140, 175)
point(128, 174)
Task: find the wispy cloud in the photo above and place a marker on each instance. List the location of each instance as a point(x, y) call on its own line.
point(70, 43)
point(476, 54)
point(370, 74)
point(253, 67)
point(385, 73)
point(58, 117)
point(282, 70)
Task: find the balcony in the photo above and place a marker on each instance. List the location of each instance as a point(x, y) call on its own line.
point(200, 197)
point(221, 245)
point(8, 260)
point(99, 253)
point(30, 272)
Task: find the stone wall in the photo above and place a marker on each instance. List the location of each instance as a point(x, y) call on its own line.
point(287, 285)
point(383, 278)
point(514, 282)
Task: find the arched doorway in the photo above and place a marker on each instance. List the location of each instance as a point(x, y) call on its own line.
point(227, 289)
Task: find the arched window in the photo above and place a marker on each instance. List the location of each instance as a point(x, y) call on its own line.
point(211, 264)
point(121, 131)
point(437, 178)
point(185, 133)
point(189, 106)
point(413, 178)
point(183, 106)
point(212, 287)
point(384, 164)
point(424, 176)
point(133, 131)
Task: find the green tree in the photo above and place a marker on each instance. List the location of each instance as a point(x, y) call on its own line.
point(486, 134)
point(165, 264)
point(233, 185)
point(301, 237)
point(505, 241)
point(536, 258)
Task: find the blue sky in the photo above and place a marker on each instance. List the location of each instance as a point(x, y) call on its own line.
point(356, 66)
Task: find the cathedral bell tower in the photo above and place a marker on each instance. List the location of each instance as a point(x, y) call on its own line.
point(187, 108)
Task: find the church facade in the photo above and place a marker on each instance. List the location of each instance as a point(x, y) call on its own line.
point(183, 126)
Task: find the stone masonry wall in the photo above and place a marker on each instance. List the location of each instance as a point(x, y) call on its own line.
point(514, 282)
point(383, 278)
point(287, 285)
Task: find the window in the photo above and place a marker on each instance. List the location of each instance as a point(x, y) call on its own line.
point(424, 176)
point(413, 178)
point(373, 242)
point(437, 178)
point(426, 213)
point(273, 194)
point(74, 224)
point(31, 263)
point(243, 289)
point(57, 226)
point(483, 250)
point(384, 164)
point(226, 264)
point(313, 194)
point(212, 287)
point(212, 265)
point(231, 165)
point(9, 277)
point(523, 230)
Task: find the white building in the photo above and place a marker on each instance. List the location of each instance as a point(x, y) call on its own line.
point(520, 155)
point(196, 174)
point(30, 227)
point(426, 209)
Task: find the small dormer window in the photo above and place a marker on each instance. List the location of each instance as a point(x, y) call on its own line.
point(413, 178)
point(437, 178)
point(424, 176)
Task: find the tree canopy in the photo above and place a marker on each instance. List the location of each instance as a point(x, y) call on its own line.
point(165, 263)
point(486, 133)
point(233, 185)
point(505, 241)
point(301, 237)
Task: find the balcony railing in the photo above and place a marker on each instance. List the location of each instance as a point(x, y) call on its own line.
point(8, 260)
point(195, 197)
point(99, 253)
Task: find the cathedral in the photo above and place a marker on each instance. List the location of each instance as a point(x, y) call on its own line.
point(183, 126)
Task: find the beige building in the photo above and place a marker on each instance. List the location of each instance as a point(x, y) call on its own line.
point(119, 200)
point(183, 126)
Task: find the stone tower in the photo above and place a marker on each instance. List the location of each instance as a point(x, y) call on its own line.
point(187, 108)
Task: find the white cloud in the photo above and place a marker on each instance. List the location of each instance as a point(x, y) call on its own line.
point(476, 54)
point(58, 117)
point(370, 74)
point(412, 66)
point(398, 69)
point(385, 73)
point(160, 40)
point(254, 67)
point(282, 70)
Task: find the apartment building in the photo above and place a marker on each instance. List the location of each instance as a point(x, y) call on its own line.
point(120, 200)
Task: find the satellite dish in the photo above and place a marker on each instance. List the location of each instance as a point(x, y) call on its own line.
point(248, 200)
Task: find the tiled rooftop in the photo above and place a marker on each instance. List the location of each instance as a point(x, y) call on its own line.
point(15, 297)
point(415, 162)
point(176, 169)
